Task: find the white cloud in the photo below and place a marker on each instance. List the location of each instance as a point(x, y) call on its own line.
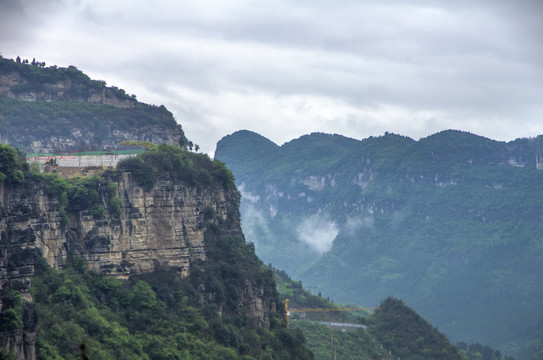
point(318, 232)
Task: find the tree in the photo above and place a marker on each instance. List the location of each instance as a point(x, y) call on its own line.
point(8, 159)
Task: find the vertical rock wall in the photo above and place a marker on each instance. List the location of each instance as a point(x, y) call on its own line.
point(160, 227)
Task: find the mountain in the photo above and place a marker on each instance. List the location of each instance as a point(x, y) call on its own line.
point(146, 261)
point(450, 224)
point(391, 331)
point(55, 109)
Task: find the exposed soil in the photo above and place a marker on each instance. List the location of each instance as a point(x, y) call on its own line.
point(69, 172)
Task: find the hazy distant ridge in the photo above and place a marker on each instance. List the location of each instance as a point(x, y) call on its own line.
point(451, 221)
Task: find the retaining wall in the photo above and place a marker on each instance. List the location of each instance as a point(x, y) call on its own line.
point(83, 160)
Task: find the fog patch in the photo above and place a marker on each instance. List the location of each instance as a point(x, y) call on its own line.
point(248, 196)
point(318, 232)
point(254, 222)
point(255, 226)
point(355, 224)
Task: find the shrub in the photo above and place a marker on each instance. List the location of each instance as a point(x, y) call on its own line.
point(115, 205)
point(11, 317)
point(196, 169)
point(17, 176)
point(209, 213)
point(144, 173)
point(53, 185)
point(97, 211)
point(8, 158)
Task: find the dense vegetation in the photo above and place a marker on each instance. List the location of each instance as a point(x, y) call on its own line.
point(38, 78)
point(408, 335)
point(56, 114)
point(393, 330)
point(451, 221)
point(97, 122)
point(12, 165)
point(179, 165)
point(150, 318)
point(481, 352)
point(158, 315)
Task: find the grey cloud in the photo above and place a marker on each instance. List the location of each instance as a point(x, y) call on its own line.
point(11, 14)
point(20, 21)
point(436, 63)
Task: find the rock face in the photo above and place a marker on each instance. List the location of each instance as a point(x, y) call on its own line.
point(81, 139)
point(164, 226)
point(61, 109)
point(62, 89)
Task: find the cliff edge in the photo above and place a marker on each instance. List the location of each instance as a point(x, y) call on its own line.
point(55, 109)
point(165, 209)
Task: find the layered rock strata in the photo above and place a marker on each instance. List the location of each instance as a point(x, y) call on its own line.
point(164, 226)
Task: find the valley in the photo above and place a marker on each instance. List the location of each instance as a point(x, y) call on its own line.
point(449, 223)
point(157, 254)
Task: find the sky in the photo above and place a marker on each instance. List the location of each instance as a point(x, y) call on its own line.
point(287, 68)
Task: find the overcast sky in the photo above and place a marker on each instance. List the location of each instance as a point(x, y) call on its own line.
point(288, 68)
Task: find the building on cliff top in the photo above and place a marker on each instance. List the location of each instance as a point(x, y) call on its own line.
point(84, 159)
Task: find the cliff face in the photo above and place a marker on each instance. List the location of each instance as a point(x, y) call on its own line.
point(164, 226)
point(57, 90)
point(61, 109)
point(80, 139)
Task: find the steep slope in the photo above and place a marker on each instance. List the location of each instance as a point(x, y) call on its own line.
point(391, 331)
point(249, 147)
point(52, 109)
point(167, 222)
point(447, 222)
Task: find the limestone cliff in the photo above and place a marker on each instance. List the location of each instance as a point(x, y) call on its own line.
point(162, 226)
point(58, 109)
point(15, 85)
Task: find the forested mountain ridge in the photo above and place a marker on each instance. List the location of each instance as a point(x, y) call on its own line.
point(55, 109)
point(146, 261)
point(451, 221)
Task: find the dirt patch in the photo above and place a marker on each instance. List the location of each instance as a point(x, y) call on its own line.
point(69, 172)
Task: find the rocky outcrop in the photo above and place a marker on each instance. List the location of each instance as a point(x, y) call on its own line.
point(21, 342)
point(76, 139)
point(64, 89)
point(61, 109)
point(163, 226)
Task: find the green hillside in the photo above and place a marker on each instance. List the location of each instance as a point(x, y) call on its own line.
point(450, 224)
point(391, 331)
